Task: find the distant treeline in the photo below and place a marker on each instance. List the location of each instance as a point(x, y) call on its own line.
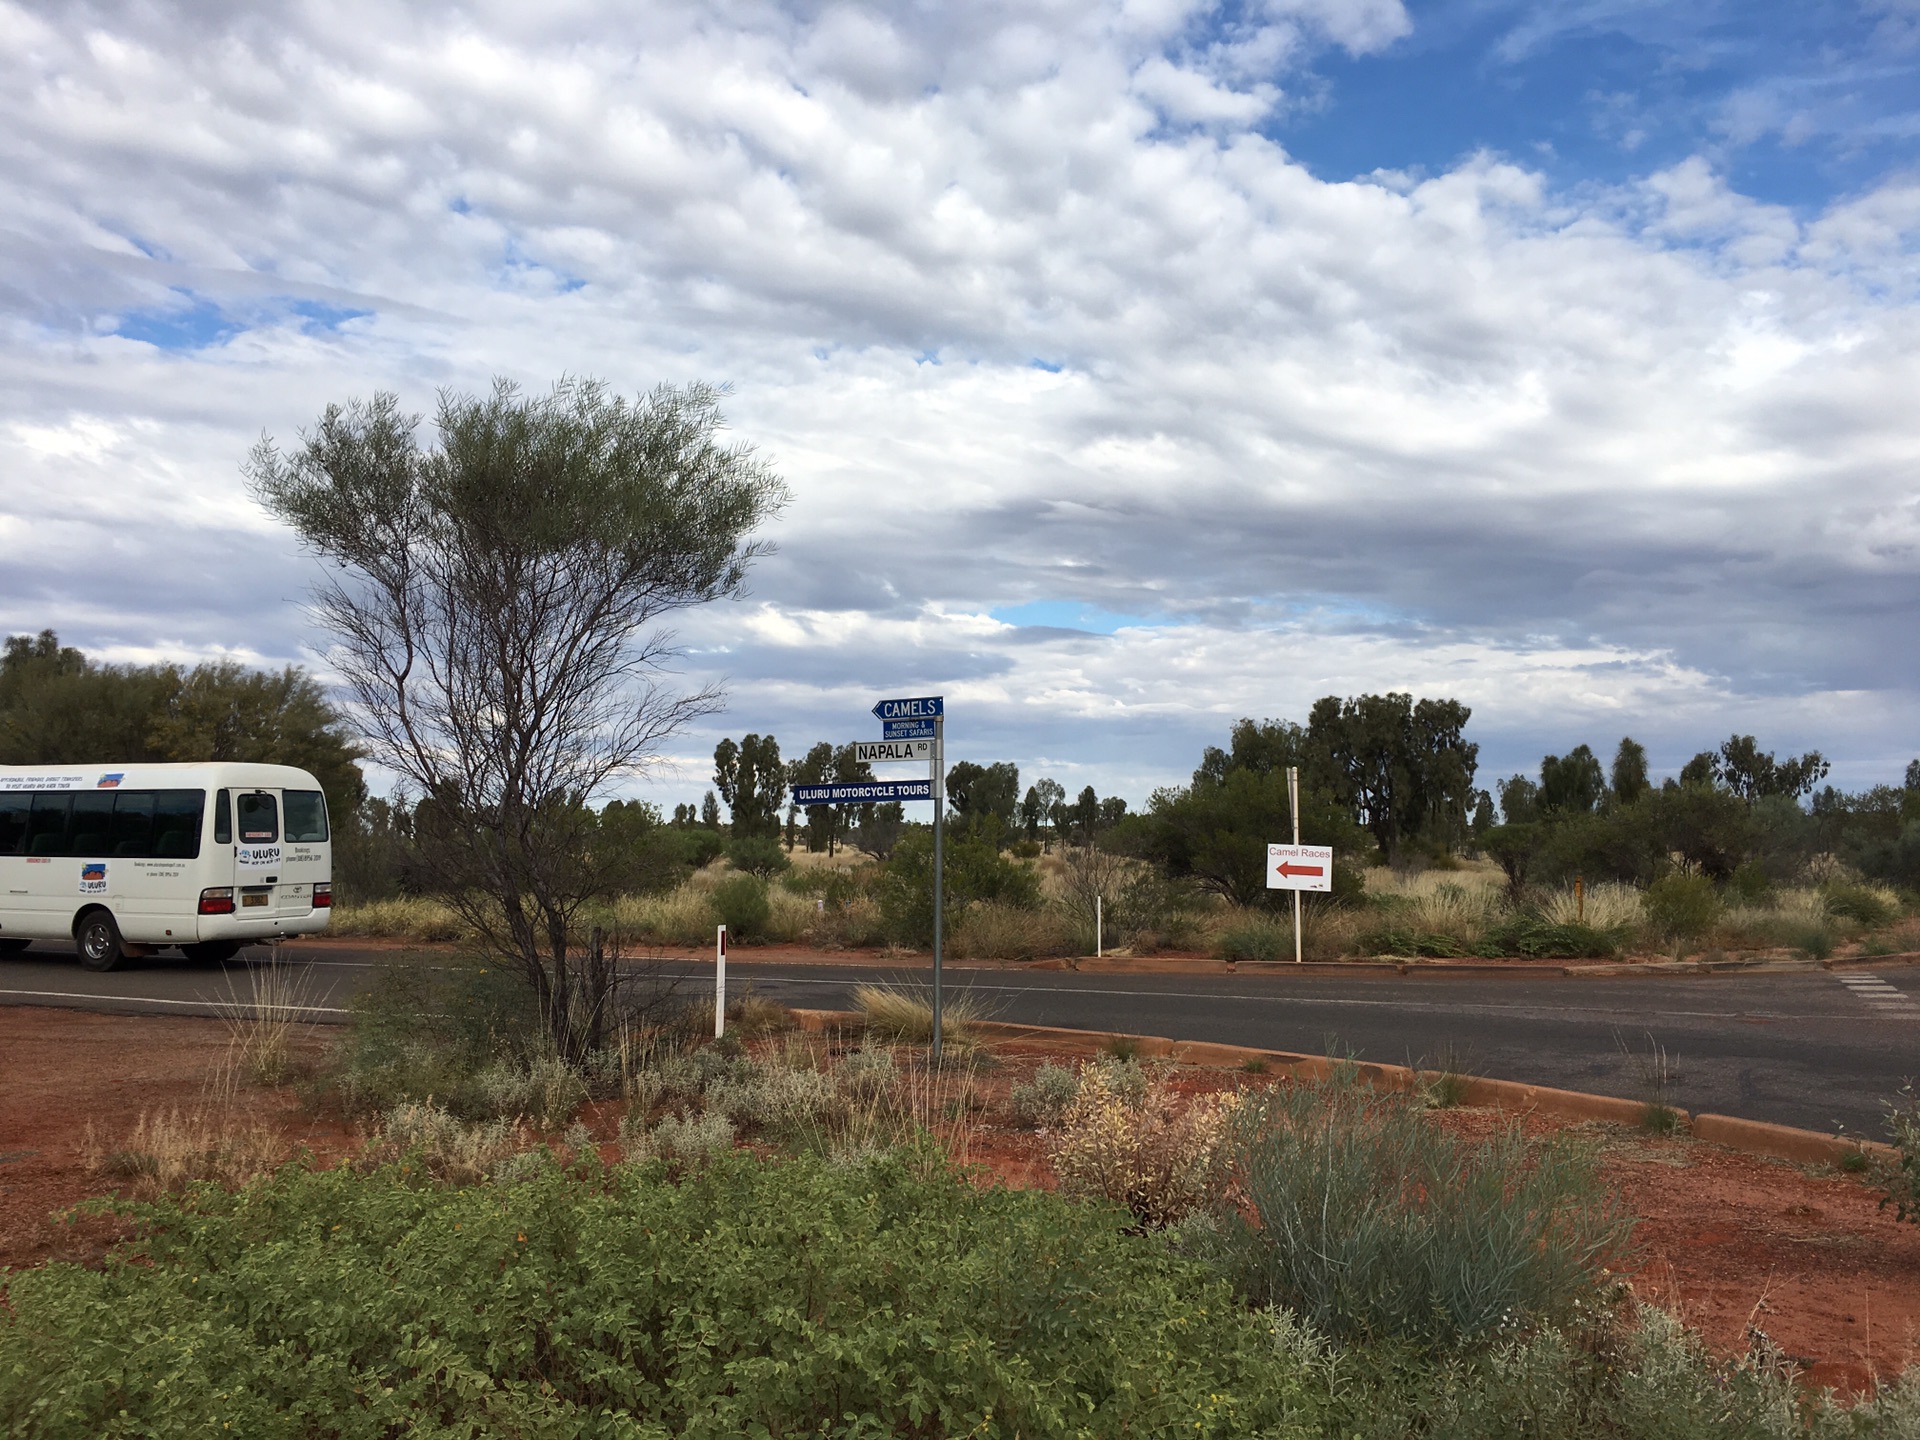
point(1738, 815)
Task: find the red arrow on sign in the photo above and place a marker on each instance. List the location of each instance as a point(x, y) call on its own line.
point(1285, 868)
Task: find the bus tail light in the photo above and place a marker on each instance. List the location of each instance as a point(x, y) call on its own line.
point(323, 895)
point(217, 901)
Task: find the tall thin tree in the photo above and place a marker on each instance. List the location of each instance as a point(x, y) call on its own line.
point(494, 606)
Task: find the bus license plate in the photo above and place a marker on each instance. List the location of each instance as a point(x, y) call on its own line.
point(253, 899)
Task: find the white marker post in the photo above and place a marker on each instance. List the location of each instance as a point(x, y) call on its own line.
point(1099, 933)
point(1293, 808)
point(720, 982)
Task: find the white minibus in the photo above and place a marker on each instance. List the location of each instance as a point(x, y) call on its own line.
point(130, 859)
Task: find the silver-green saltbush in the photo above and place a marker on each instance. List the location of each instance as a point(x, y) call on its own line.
point(1376, 1224)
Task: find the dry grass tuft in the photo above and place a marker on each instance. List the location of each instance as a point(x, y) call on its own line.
point(990, 931)
point(263, 1028)
point(906, 1015)
point(169, 1150)
point(1608, 905)
point(408, 918)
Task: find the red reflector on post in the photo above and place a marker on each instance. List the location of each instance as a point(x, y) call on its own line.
point(217, 901)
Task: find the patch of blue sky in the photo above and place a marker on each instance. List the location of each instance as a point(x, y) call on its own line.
point(1796, 101)
point(197, 323)
point(1071, 615)
point(193, 325)
point(1051, 367)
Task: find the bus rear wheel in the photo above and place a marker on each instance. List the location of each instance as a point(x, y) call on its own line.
point(98, 939)
point(213, 951)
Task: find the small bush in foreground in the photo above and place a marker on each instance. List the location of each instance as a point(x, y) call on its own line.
point(1377, 1225)
point(1044, 1099)
point(1159, 1157)
point(751, 1298)
point(1902, 1177)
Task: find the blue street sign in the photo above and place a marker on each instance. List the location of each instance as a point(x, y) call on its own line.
point(865, 793)
point(926, 707)
point(906, 730)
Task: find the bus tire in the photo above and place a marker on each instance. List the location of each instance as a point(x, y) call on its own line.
point(213, 951)
point(98, 940)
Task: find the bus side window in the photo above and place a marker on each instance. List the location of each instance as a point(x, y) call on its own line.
point(47, 824)
point(222, 819)
point(176, 823)
point(13, 822)
point(90, 832)
point(133, 824)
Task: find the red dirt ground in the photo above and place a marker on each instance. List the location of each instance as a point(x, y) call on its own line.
point(1728, 1239)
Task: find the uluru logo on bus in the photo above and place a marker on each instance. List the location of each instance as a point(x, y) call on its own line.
point(93, 877)
point(111, 781)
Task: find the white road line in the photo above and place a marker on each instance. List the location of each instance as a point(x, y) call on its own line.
point(156, 1000)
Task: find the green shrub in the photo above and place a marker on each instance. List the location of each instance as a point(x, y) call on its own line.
point(1377, 1225)
point(1255, 937)
point(1531, 936)
point(752, 1298)
point(1043, 1099)
point(1648, 1378)
point(742, 904)
point(428, 1029)
point(1902, 1177)
point(1812, 938)
point(1868, 904)
point(974, 870)
point(700, 847)
point(760, 855)
point(1683, 906)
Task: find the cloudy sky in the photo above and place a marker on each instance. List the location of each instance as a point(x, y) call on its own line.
point(1135, 366)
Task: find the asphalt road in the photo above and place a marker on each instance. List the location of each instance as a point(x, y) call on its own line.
point(1807, 1049)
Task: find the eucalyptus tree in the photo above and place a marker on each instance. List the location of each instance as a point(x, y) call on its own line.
point(494, 603)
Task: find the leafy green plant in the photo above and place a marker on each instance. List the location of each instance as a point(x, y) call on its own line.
point(888, 1298)
point(1042, 1100)
point(1256, 937)
point(1812, 938)
point(760, 855)
point(1870, 905)
point(1683, 906)
point(741, 902)
point(1902, 1177)
point(1375, 1224)
point(1661, 1120)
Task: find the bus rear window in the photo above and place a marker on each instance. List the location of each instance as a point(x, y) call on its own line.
point(306, 816)
point(256, 818)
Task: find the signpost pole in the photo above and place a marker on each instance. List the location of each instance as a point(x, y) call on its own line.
point(939, 803)
point(1293, 804)
point(720, 982)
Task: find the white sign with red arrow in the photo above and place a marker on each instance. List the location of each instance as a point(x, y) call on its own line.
point(1300, 867)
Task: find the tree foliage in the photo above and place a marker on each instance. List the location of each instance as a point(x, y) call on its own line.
point(1403, 768)
point(58, 707)
point(1216, 830)
point(753, 784)
point(494, 603)
point(981, 790)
